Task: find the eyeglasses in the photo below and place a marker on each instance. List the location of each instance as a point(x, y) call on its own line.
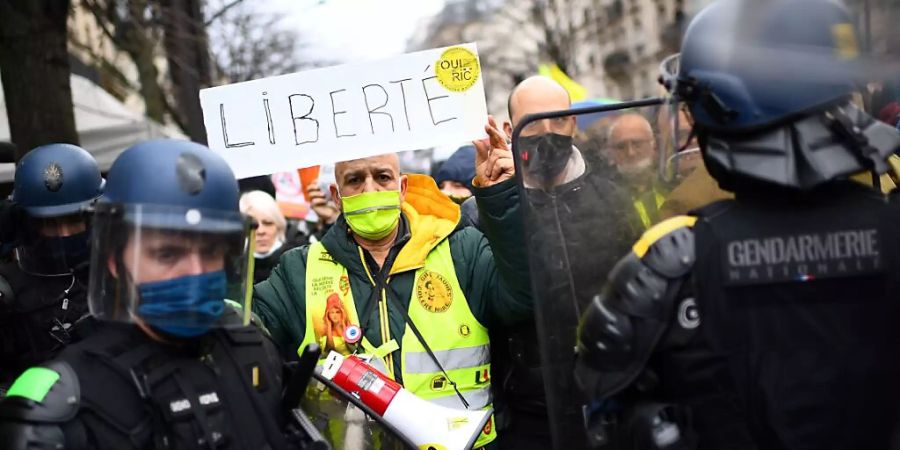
point(637, 144)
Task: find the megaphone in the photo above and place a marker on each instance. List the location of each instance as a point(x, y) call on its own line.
point(428, 426)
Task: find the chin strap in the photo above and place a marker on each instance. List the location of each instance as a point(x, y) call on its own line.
point(841, 123)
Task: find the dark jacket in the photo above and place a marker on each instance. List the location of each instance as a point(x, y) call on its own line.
point(262, 267)
point(494, 282)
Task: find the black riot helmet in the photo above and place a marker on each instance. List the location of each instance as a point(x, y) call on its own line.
point(769, 86)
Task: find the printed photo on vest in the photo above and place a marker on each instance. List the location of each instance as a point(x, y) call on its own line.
point(331, 324)
point(433, 292)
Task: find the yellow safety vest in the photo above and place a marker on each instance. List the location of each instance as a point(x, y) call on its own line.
point(645, 216)
point(440, 311)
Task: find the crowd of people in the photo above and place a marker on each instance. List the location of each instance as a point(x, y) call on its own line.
point(712, 269)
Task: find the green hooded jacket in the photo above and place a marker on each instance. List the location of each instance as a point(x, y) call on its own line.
point(495, 283)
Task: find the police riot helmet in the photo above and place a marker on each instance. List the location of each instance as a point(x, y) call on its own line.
point(170, 245)
point(52, 184)
point(768, 86)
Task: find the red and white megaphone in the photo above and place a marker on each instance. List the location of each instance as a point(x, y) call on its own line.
point(428, 426)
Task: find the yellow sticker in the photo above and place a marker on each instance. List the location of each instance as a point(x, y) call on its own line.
point(845, 45)
point(457, 69)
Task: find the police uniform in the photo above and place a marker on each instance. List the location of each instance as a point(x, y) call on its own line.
point(169, 361)
point(766, 321)
point(37, 316)
point(43, 291)
point(119, 389)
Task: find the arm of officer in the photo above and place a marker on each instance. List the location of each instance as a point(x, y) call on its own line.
point(625, 323)
point(280, 300)
point(40, 410)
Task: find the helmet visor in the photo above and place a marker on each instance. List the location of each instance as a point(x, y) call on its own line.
point(173, 269)
point(679, 152)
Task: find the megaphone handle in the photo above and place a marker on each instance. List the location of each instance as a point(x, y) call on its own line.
point(316, 441)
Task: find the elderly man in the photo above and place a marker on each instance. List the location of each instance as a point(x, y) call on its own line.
point(422, 289)
point(631, 146)
point(565, 251)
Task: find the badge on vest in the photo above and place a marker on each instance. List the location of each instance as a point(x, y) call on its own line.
point(433, 292)
point(802, 257)
point(438, 383)
point(482, 376)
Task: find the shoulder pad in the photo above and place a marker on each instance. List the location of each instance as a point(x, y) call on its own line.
point(664, 253)
point(234, 315)
point(668, 247)
point(47, 394)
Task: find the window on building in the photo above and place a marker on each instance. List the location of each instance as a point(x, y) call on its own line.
point(592, 61)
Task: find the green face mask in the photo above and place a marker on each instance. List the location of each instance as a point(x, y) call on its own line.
point(372, 215)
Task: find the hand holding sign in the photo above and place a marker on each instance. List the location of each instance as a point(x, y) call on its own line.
point(326, 210)
point(493, 158)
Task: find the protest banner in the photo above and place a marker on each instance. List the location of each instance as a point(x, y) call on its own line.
point(413, 101)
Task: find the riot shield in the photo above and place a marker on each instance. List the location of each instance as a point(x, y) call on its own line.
point(346, 423)
point(586, 200)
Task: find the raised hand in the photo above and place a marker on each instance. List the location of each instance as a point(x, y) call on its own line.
point(493, 158)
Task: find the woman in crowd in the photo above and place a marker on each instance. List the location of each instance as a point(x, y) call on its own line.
point(270, 240)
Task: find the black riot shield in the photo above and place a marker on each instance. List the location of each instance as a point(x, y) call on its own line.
point(588, 195)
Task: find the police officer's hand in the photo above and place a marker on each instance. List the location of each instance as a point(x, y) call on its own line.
point(326, 210)
point(493, 158)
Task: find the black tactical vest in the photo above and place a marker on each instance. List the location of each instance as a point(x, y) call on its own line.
point(799, 296)
point(36, 317)
point(219, 391)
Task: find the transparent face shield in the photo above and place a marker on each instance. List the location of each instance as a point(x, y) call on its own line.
point(680, 151)
point(53, 246)
point(173, 269)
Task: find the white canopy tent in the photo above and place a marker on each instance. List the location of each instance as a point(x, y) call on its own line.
point(105, 125)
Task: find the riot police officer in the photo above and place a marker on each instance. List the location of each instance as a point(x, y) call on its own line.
point(770, 320)
point(42, 293)
point(170, 364)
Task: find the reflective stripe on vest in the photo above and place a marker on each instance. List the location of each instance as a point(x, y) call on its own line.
point(440, 311)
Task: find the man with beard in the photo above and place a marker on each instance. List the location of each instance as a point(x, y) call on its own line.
point(632, 150)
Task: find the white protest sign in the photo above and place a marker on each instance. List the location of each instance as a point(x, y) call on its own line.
point(414, 101)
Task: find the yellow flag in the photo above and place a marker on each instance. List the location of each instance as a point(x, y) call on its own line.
point(576, 91)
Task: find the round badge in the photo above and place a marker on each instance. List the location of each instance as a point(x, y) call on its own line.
point(688, 315)
point(53, 177)
point(457, 69)
point(433, 292)
point(352, 334)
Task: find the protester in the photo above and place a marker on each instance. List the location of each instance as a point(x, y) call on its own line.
point(270, 232)
point(43, 292)
point(410, 278)
point(455, 176)
point(633, 152)
point(169, 364)
point(557, 181)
